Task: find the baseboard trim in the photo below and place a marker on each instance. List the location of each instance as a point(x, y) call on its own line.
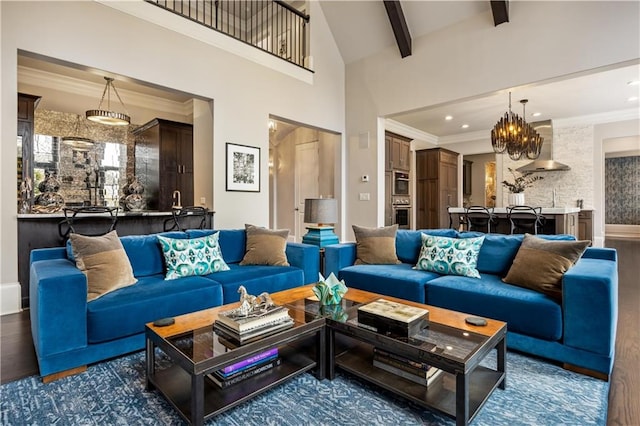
point(10, 298)
point(622, 231)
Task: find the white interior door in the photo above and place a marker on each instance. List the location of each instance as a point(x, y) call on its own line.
point(307, 176)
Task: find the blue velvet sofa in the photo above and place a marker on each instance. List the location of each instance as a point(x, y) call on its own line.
point(70, 333)
point(579, 332)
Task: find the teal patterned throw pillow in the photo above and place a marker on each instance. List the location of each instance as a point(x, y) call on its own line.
point(450, 256)
point(196, 256)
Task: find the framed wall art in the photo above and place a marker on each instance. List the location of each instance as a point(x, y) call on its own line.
point(243, 168)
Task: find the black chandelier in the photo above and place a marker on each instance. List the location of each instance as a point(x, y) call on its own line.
point(515, 136)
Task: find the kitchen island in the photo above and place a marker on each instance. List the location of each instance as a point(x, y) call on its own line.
point(558, 220)
point(40, 230)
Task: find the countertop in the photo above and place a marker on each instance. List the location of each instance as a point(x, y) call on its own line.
point(120, 214)
point(545, 210)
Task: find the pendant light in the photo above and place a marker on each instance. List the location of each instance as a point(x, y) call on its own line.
point(515, 136)
point(112, 118)
point(76, 141)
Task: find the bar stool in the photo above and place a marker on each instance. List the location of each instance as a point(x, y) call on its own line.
point(525, 219)
point(89, 220)
point(460, 219)
point(479, 218)
point(191, 217)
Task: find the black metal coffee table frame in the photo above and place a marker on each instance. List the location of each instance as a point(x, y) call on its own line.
point(196, 399)
point(460, 394)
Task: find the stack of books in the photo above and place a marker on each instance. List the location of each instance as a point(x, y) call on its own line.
point(246, 368)
point(387, 317)
point(241, 330)
point(416, 371)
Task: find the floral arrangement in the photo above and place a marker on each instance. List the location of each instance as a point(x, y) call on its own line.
point(521, 181)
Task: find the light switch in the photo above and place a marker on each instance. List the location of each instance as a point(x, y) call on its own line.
point(365, 196)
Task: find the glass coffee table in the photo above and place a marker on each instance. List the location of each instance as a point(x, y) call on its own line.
point(321, 340)
point(448, 343)
point(193, 350)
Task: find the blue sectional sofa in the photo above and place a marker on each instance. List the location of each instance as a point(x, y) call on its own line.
point(70, 333)
point(580, 331)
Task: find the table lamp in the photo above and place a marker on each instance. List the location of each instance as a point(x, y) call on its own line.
point(324, 213)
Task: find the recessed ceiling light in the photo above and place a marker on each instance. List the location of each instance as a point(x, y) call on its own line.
point(449, 117)
point(632, 99)
point(633, 82)
point(465, 126)
point(536, 114)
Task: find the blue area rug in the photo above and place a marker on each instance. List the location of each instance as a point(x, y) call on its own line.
point(113, 393)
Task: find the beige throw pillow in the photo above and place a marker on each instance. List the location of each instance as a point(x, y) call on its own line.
point(103, 260)
point(540, 264)
point(265, 246)
point(376, 246)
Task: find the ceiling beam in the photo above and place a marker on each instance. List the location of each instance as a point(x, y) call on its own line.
point(399, 26)
point(500, 9)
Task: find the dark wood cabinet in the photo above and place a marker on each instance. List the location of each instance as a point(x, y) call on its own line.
point(164, 162)
point(585, 225)
point(398, 152)
point(466, 177)
point(26, 113)
point(436, 187)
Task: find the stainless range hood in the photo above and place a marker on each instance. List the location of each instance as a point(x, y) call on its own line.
point(545, 162)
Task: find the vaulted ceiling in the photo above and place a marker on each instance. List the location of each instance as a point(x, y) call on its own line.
point(363, 28)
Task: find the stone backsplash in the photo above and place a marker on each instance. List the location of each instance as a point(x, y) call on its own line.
point(107, 163)
point(572, 146)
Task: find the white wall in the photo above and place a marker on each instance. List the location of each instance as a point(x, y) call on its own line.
point(543, 40)
point(604, 138)
point(244, 93)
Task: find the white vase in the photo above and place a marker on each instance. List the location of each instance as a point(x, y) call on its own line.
point(516, 199)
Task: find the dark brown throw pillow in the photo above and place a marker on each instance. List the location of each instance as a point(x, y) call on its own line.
point(104, 262)
point(265, 246)
point(540, 264)
point(376, 246)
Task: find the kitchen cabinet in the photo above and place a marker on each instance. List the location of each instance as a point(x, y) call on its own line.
point(398, 152)
point(585, 225)
point(436, 187)
point(26, 113)
point(164, 162)
point(466, 177)
point(567, 224)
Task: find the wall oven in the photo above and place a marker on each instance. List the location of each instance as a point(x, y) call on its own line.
point(400, 183)
point(402, 216)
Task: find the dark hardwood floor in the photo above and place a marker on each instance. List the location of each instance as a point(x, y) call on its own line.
point(624, 394)
point(17, 356)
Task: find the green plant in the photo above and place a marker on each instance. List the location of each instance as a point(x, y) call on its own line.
point(521, 181)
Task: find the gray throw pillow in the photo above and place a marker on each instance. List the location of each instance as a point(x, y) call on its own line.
point(540, 264)
point(265, 246)
point(376, 246)
point(105, 263)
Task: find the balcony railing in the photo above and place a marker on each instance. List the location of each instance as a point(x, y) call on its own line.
point(270, 25)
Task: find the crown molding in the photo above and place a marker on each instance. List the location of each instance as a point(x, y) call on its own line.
point(409, 132)
point(76, 86)
point(600, 118)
